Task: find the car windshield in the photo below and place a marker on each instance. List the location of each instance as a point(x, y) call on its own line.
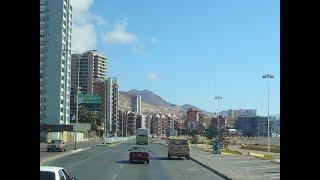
point(56, 141)
point(46, 175)
point(138, 148)
point(179, 142)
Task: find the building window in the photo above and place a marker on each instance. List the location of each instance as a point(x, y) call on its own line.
point(44, 108)
point(61, 101)
point(61, 117)
point(61, 109)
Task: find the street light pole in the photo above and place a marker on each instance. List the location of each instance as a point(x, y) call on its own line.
point(268, 77)
point(218, 98)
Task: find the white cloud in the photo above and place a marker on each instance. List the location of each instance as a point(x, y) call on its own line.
point(152, 76)
point(84, 37)
point(154, 40)
point(119, 34)
point(84, 28)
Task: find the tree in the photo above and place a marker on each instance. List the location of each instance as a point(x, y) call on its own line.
point(194, 139)
point(211, 132)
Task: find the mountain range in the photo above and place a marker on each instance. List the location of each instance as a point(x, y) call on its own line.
point(152, 102)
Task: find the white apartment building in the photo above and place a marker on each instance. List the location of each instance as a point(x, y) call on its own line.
point(55, 61)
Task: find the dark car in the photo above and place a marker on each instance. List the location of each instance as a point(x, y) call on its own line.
point(139, 153)
point(56, 145)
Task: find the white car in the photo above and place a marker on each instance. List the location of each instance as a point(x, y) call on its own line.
point(54, 173)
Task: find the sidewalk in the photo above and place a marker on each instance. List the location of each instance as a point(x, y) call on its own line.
point(238, 167)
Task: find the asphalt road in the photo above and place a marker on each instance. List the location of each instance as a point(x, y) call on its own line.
point(111, 162)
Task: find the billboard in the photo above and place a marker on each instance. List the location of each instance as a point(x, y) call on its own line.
point(90, 101)
point(89, 98)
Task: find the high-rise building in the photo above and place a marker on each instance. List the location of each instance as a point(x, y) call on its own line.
point(136, 103)
point(131, 124)
point(92, 68)
point(100, 88)
point(109, 93)
point(115, 106)
point(233, 113)
point(253, 126)
point(192, 119)
point(55, 63)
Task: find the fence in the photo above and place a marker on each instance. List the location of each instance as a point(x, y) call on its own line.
point(118, 139)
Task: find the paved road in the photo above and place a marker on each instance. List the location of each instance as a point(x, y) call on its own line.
point(112, 163)
point(69, 146)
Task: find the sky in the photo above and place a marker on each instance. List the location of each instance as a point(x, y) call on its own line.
point(187, 51)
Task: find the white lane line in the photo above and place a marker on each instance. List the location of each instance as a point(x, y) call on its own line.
point(121, 166)
point(86, 159)
point(275, 174)
point(114, 176)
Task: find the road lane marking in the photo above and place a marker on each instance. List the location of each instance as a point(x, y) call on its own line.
point(121, 166)
point(86, 159)
point(114, 176)
point(275, 174)
point(267, 167)
point(53, 157)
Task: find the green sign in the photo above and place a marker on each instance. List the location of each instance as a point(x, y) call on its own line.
point(89, 99)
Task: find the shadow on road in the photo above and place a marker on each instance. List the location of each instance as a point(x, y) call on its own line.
point(127, 162)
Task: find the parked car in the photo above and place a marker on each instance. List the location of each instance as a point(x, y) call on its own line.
point(139, 153)
point(54, 173)
point(56, 145)
point(179, 147)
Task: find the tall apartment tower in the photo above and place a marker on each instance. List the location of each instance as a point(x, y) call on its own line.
point(55, 61)
point(92, 69)
point(112, 101)
point(136, 104)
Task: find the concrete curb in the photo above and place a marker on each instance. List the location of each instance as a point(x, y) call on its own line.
point(205, 166)
point(256, 155)
point(62, 155)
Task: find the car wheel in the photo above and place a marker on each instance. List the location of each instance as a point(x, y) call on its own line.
point(48, 150)
point(148, 161)
point(188, 157)
point(169, 157)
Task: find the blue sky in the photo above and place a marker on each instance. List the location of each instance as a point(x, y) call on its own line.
point(187, 51)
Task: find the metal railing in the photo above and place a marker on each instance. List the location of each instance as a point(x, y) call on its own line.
point(118, 139)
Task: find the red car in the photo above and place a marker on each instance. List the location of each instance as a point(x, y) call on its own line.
point(139, 153)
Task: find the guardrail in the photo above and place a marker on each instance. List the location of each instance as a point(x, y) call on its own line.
point(118, 139)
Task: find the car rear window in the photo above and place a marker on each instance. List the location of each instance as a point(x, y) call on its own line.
point(46, 175)
point(179, 142)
